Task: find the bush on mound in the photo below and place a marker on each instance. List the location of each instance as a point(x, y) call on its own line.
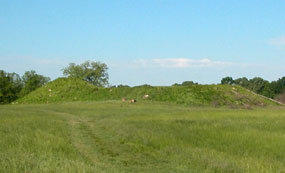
point(71, 89)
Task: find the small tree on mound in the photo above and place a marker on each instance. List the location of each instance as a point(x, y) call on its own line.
point(93, 72)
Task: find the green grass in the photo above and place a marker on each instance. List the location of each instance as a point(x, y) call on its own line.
point(112, 136)
point(67, 90)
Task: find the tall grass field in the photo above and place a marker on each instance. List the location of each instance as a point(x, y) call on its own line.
point(115, 136)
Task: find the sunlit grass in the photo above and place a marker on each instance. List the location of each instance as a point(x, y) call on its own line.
point(143, 137)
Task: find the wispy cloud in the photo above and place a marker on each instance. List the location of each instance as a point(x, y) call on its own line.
point(278, 42)
point(172, 63)
point(187, 62)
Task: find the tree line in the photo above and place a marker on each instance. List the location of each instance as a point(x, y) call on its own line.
point(258, 85)
point(14, 86)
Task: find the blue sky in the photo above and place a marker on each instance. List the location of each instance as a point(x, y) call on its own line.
point(159, 42)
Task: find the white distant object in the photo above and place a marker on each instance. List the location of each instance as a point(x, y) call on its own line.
point(133, 101)
point(146, 96)
point(49, 90)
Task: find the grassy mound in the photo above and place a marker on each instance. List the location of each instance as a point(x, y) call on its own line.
point(68, 89)
point(61, 90)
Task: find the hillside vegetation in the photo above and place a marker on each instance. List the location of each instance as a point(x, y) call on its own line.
point(71, 89)
point(281, 98)
point(112, 136)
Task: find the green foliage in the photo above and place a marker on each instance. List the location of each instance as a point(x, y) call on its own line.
point(68, 89)
point(32, 81)
point(93, 72)
point(227, 80)
point(143, 137)
point(186, 83)
point(121, 86)
point(280, 85)
point(244, 82)
point(268, 90)
point(10, 87)
point(259, 85)
point(279, 88)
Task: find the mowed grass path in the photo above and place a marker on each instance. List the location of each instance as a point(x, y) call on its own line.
point(144, 137)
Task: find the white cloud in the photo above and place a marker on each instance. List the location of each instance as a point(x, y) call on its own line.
point(187, 62)
point(278, 42)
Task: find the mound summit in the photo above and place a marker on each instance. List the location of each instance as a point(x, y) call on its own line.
point(71, 89)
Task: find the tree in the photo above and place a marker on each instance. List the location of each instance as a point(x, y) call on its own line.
point(123, 86)
point(268, 91)
point(227, 80)
point(280, 85)
point(188, 83)
point(10, 86)
point(242, 82)
point(17, 83)
point(257, 84)
point(93, 72)
point(31, 81)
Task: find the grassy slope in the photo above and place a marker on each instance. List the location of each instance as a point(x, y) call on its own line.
point(143, 137)
point(65, 89)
